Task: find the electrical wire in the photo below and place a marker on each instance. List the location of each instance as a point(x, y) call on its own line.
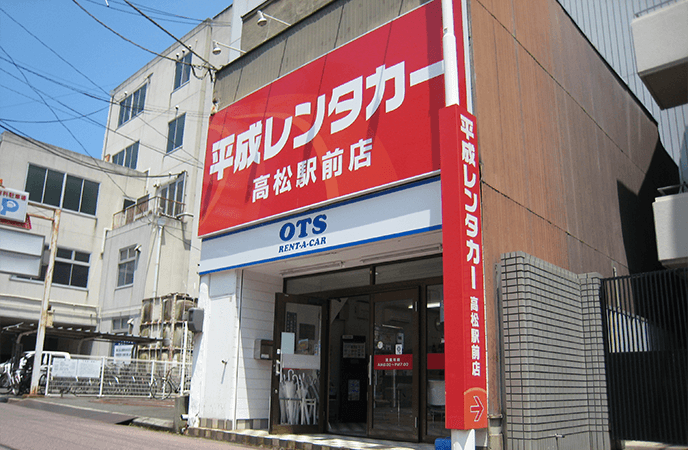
point(210, 66)
point(184, 19)
point(129, 40)
point(95, 161)
point(53, 121)
point(162, 152)
point(57, 151)
point(53, 51)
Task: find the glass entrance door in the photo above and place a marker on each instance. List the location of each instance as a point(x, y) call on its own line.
point(393, 400)
point(297, 387)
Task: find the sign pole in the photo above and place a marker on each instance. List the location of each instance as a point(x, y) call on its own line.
point(465, 364)
point(40, 335)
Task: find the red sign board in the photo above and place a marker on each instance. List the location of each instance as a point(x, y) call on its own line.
point(361, 117)
point(464, 320)
point(393, 362)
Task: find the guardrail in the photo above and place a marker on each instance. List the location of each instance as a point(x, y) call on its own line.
point(107, 376)
point(160, 206)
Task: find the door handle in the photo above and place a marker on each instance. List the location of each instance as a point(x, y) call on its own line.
point(278, 367)
point(370, 370)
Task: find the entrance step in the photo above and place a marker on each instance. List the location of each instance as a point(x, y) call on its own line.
point(260, 438)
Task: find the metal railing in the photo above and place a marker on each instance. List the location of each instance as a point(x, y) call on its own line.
point(653, 7)
point(645, 319)
point(113, 377)
point(159, 206)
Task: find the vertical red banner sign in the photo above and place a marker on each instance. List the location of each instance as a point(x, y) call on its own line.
point(464, 326)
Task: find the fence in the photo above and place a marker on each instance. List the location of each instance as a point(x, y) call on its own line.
point(106, 376)
point(646, 352)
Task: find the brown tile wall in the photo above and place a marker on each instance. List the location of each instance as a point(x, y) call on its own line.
point(558, 135)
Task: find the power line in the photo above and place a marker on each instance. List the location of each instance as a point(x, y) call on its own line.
point(53, 121)
point(85, 93)
point(208, 65)
point(94, 122)
point(54, 52)
point(184, 19)
point(129, 40)
point(57, 151)
point(62, 123)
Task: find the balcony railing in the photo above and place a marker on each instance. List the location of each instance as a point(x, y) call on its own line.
point(157, 206)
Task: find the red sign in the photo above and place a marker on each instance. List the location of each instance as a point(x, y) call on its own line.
point(393, 362)
point(26, 224)
point(464, 320)
point(363, 116)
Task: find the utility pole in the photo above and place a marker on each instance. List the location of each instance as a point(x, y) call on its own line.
point(40, 335)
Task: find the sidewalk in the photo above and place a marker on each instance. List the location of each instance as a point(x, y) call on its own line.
point(144, 412)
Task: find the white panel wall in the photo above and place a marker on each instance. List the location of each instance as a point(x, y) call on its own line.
point(257, 319)
point(212, 381)
point(215, 383)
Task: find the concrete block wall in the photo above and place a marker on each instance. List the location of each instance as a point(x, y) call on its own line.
point(555, 395)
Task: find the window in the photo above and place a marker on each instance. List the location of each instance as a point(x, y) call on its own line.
point(120, 324)
point(127, 157)
point(182, 71)
point(71, 268)
point(175, 134)
point(172, 197)
point(62, 190)
point(126, 266)
point(132, 105)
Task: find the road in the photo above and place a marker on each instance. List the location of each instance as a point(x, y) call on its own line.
point(24, 428)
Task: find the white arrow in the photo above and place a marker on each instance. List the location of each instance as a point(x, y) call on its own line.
point(477, 408)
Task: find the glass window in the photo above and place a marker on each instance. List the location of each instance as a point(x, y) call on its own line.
point(53, 188)
point(408, 270)
point(175, 134)
point(132, 105)
point(182, 70)
point(72, 197)
point(71, 268)
point(127, 157)
point(329, 281)
point(435, 361)
point(46, 186)
point(172, 197)
point(126, 266)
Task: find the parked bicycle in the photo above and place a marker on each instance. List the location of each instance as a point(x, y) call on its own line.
point(163, 387)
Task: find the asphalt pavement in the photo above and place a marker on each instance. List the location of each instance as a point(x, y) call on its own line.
point(144, 412)
point(25, 425)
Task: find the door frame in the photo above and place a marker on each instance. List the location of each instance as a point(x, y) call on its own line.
point(281, 301)
point(388, 296)
point(371, 289)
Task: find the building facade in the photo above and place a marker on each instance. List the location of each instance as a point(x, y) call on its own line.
point(157, 125)
point(87, 192)
point(326, 282)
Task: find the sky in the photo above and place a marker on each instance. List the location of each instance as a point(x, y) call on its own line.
point(58, 64)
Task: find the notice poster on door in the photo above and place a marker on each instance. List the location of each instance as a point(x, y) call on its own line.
point(393, 362)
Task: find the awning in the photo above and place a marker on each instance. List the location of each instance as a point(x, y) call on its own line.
point(77, 333)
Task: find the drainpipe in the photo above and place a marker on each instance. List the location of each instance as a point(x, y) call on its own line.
point(236, 342)
point(158, 250)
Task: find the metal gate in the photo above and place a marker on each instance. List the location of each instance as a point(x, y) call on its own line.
point(646, 354)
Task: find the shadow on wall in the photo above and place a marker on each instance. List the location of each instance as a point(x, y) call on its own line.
point(637, 221)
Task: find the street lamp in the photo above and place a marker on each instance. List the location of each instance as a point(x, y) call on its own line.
point(263, 19)
point(217, 50)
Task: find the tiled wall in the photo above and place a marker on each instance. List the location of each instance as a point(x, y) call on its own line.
point(553, 357)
